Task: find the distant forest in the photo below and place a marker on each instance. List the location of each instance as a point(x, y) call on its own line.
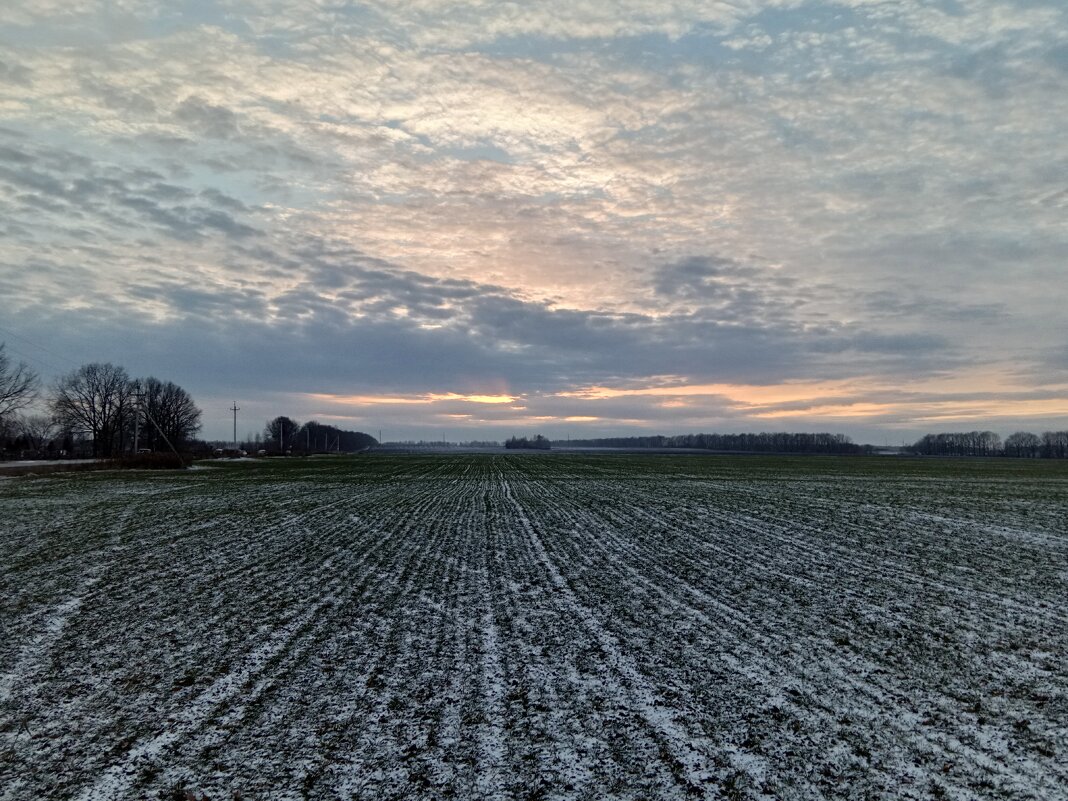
point(1021, 445)
point(539, 443)
point(284, 434)
point(781, 442)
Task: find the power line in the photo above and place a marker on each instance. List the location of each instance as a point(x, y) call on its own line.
point(38, 346)
point(34, 359)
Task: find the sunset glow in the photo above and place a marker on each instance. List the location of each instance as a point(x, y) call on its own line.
point(390, 400)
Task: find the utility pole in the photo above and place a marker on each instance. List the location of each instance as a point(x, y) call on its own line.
point(235, 409)
point(170, 444)
point(139, 396)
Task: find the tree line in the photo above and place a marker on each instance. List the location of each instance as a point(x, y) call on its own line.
point(283, 434)
point(539, 443)
point(765, 442)
point(98, 409)
point(1021, 445)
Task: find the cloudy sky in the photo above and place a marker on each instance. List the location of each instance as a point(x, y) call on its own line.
point(473, 218)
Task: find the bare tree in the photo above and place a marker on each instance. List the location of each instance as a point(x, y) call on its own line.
point(1055, 444)
point(281, 432)
point(960, 443)
point(18, 385)
point(96, 399)
point(173, 410)
point(1023, 444)
point(38, 429)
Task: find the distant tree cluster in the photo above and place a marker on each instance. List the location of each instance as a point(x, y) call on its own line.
point(964, 443)
point(33, 437)
point(425, 444)
point(102, 402)
point(420, 444)
point(539, 443)
point(1055, 445)
point(96, 410)
point(1021, 445)
point(18, 386)
point(767, 442)
point(283, 434)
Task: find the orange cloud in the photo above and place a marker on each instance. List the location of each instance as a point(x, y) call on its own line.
point(929, 411)
point(452, 396)
point(392, 400)
point(833, 410)
point(748, 394)
point(834, 399)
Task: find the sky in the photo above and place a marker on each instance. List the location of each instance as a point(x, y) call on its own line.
point(471, 219)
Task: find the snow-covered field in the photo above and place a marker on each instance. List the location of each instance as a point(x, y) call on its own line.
point(537, 626)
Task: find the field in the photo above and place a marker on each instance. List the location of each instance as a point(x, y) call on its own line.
point(537, 626)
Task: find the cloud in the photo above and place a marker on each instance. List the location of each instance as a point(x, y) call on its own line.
point(72, 188)
point(15, 74)
point(206, 119)
point(483, 198)
point(700, 277)
point(1058, 56)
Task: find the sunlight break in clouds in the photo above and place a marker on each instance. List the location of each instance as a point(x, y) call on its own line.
point(363, 400)
point(803, 212)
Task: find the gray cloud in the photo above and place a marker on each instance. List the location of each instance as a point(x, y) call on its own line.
point(71, 187)
point(15, 74)
point(898, 304)
point(124, 102)
point(1058, 56)
point(206, 119)
point(698, 277)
